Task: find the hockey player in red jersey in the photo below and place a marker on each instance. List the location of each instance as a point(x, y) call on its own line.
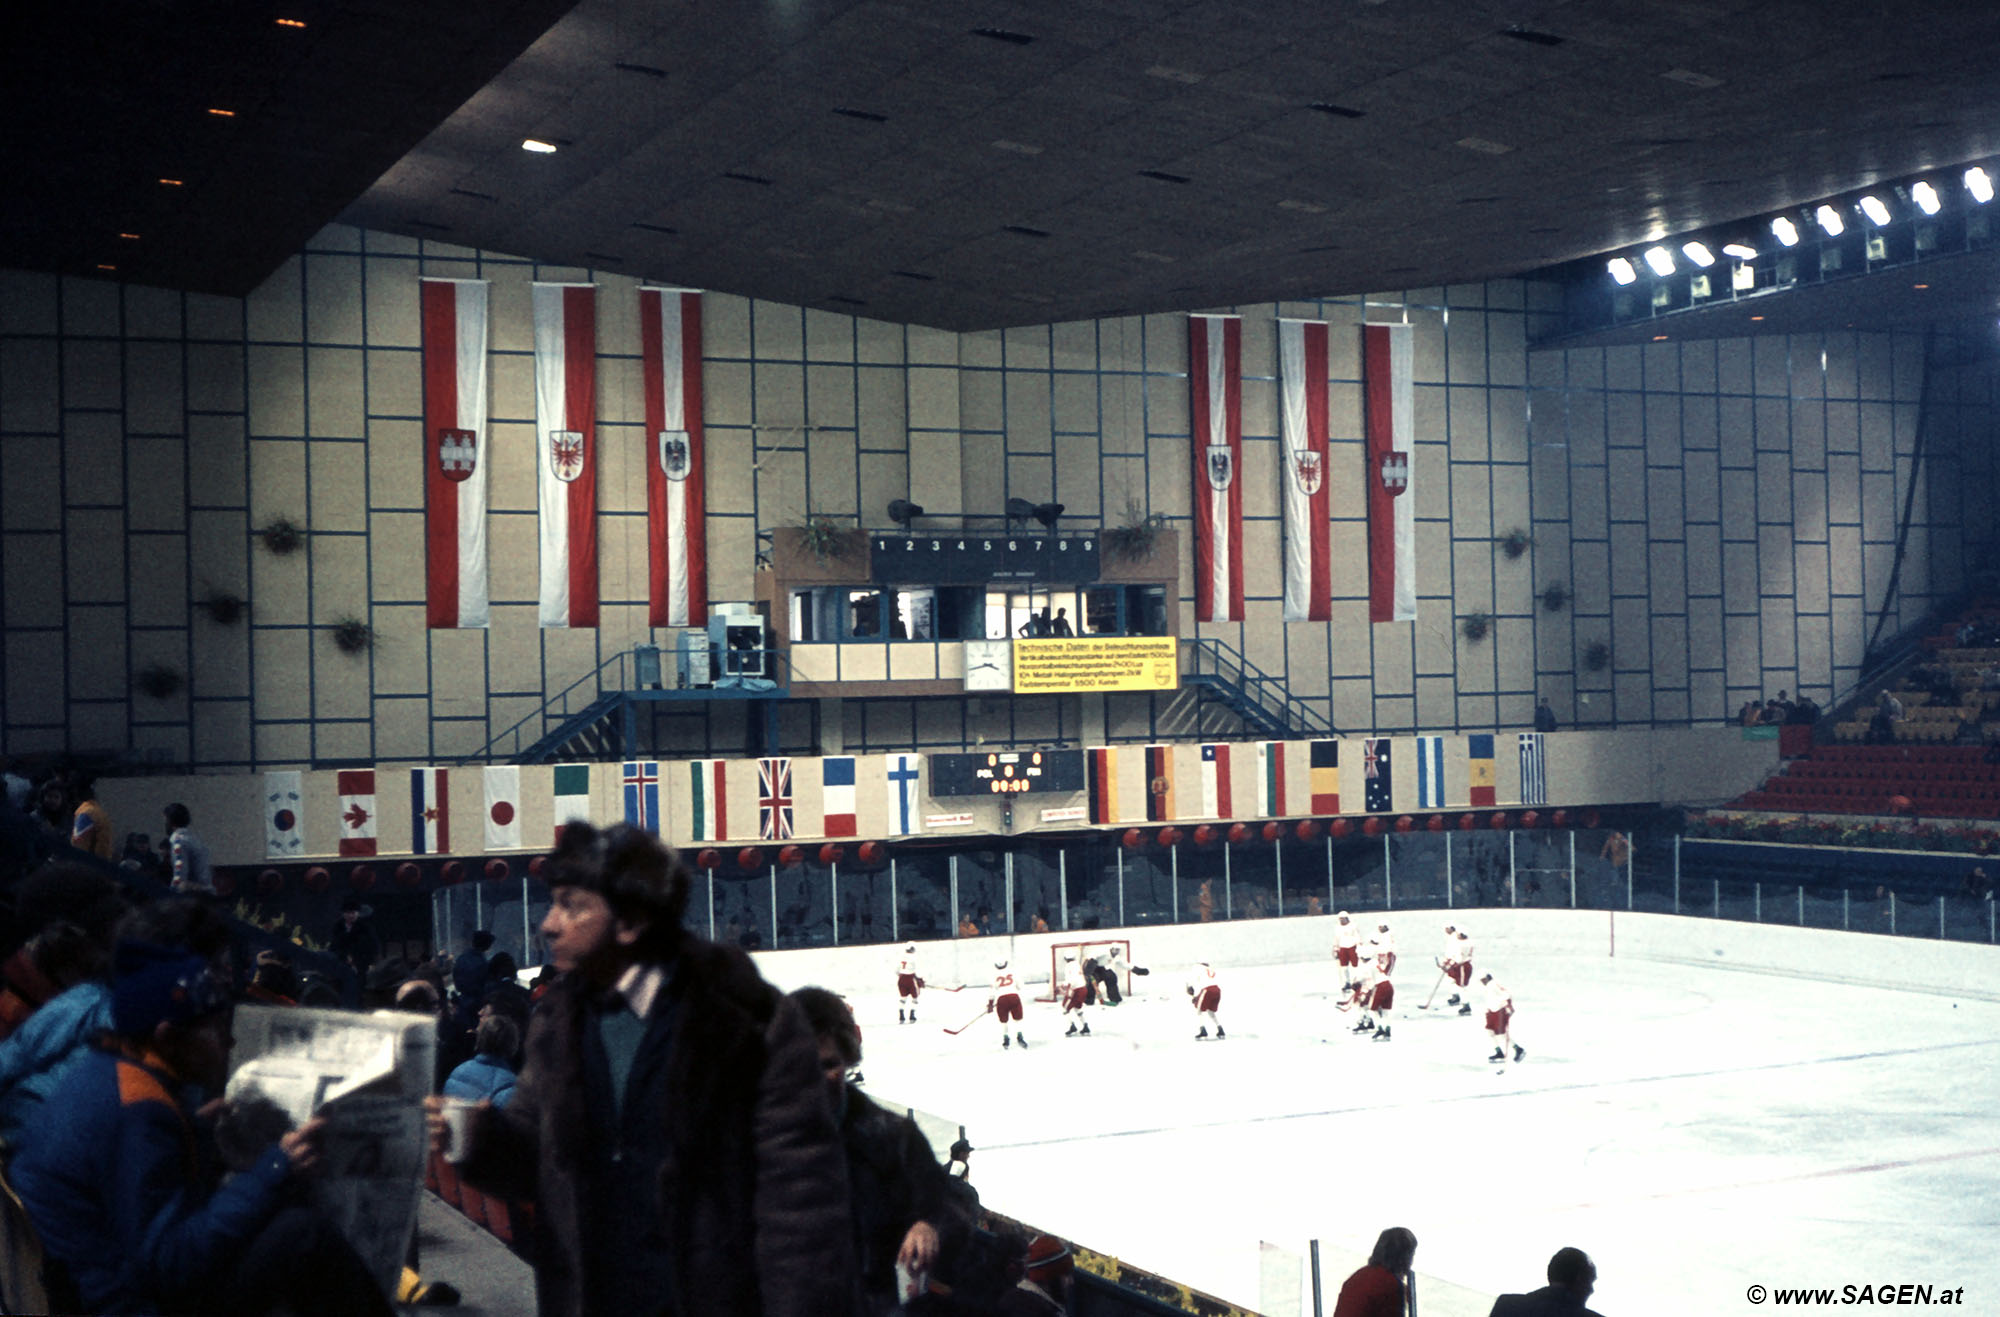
point(1205, 989)
point(1500, 1021)
point(1078, 992)
point(907, 984)
point(1457, 965)
point(1383, 943)
point(1346, 948)
point(1005, 1004)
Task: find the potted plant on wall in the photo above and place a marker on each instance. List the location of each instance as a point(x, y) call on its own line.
point(1555, 596)
point(1132, 540)
point(281, 536)
point(223, 607)
point(1515, 542)
point(825, 538)
point(1475, 626)
point(1596, 656)
point(351, 635)
point(157, 681)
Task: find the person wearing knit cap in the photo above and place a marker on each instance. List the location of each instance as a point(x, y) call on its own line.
point(118, 1181)
point(1043, 1289)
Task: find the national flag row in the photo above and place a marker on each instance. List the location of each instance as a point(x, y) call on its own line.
point(515, 807)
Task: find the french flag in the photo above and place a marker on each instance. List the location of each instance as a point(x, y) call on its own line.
point(455, 451)
point(565, 318)
point(836, 775)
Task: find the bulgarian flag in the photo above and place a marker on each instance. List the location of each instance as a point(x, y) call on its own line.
point(708, 782)
point(1215, 409)
point(1302, 368)
point(570, 786)
point(566, 450)
point(676, 530)
point(455, 455)
point(1389, 404)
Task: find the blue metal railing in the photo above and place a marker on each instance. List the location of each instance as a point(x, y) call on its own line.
point(1260, 699)
point(558, 710)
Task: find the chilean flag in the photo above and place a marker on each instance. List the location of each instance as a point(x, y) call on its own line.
point(455, 451)
point(1302, 368)
point(1218, 796)
point(1215, 409)
point(566, 450)
point(676, 529)
point(1388, 401)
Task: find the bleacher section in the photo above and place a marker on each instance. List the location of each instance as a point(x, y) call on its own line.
point(1938, 781)
point(1929, 720)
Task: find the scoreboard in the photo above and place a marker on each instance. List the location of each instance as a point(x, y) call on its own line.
point(976, 558)
point(1006, 773)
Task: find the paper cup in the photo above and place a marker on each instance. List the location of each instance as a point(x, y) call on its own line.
point(458, 1127)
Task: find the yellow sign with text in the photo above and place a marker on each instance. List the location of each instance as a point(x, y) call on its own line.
point(1097, 663)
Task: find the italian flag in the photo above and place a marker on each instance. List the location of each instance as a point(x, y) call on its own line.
point(571, 790)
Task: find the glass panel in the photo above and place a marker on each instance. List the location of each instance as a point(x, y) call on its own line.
point(1149, 897)
point(805, 906)
point(1823, 907)
point(1652, 870)
point(864, 903)
point(1416, 869)
point(1093, 884)
point(1357, 874)
point(915, 616)
point(1204, 890)
point(923, 895)
point(864, 614)
point(1968, 919)
point(982, 893)
point(743, 907)
point(1253, 874)
point(1868, 910)
point(1101, 610)
point(1541, 869)
point(1733, 901)
point(1037, 890)
point(1479, 868)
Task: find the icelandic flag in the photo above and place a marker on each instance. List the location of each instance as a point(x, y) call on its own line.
point(836, 776)
point(565, 317)
point(1378, 797)
point(1479, 753)
point(774, 799)
point(283, 820)
point(709, 798)
point(1217, 798)
point(905, 818)
point(357, 811)
point(1534, 770)
point(642, 793)
point(570, 785)
point(1388, 418)
point(430, 811)
point(1430, 772)
point(1324, 777)
point(503, 807)
point(456, 451)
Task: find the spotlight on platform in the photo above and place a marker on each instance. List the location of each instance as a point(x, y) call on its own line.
point(1019, 509)
point(1785, 231)
point(1740, 250)
point(1830, 220)
point(1926, 197)
point(903, 512)
point(1621, 270)
point(1661, 260)
point(1979, 184)
point(1048, 514)
point(1876, 209)
point(1699, 253)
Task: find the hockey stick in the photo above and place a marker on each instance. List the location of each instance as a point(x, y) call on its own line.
point(983, 1012)
point(1434, 990)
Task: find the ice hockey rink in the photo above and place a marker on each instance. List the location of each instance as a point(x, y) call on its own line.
point(1697, 1128)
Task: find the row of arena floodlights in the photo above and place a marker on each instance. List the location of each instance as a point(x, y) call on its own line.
point(1831, 221)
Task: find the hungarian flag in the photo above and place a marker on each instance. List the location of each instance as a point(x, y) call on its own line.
point(570, 785)
point(1430, 772)
point(1388, 405)
point(1215, 410)
point(1103, 783)
point(641, 779)
point(836, 776)
point(1160, 783)
point(430, 811)
point(1302, 371)
point(357, 810)
point(566, 450)
point(709, 798)
point(1324, 775)
point(1378, 794)
point(1270, 778)
point(774, 799)
point(676, 530)
point(905, 813)
point(284, 836)
point(455, 451)
point(1479, 752)
point(503, 807)
point(1534, 770)
point(1217, 793)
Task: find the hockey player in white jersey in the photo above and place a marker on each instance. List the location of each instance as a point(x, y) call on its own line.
point(1383, 943)
point(1457, 965)
point(1374, 993)
point(908, 984)
point(1005, 1004)
point(1346, 948)
point(1077, 994)
point(1500, 1021)
point(1205, 990)
point(1105, 971)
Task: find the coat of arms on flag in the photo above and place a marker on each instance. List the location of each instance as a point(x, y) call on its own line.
point(1221, 466)
point(774, 799)
point(674, 454)
point(1479, 771)
point(1307, 470)
point(1395, 472)
point(566, 454)
point(458, 453)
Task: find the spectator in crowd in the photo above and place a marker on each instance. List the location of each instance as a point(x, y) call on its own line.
point(54, 808)
point(489, 1076)
point(188, 854)
point(1043, 1290)
point(16, 789)
point(274, 982)
point(1977, 885)
point(1061, 626)
point(1989, 677)
point(1376, 1290)
point(1545, 717)
point(505, 995)
point(1888, 712)
point(353, 939)
point(91, 829)
point(1804, 710)
point(899, 1197)
point(1750, 714)
point(117, 1184)
point(1572, 1276)
point(726, 1194)
point(53, 961)
point(468, 972)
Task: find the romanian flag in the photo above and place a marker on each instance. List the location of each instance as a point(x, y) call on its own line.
point(1160, 782)
point(1481, 752)
point(1324, 777)
point(1103, 766)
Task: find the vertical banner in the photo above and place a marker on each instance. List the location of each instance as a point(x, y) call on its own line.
point(358, 827)
point(566, 450)
point(430, 811)
point(1389, 407)
point(570, 791)
point(641, 781)
point(774, 799)
point(1378, 793)
point(284, 835)
point(1534, 770)
point(676, 530)
point(1479, 769)
point(1324, 775)
point(503, 807)
point(836, 779)
point(708, 781)
point(1218, 797)
point(455, 456)
point(905, 812)
point(1302, 372)
point(1270, 778)
point(1430, 772)
point(1103, 782)
point(1215, 412)
point(1160, 783)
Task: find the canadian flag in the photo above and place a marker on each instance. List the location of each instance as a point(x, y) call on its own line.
point(676, 519)
point(566, 450)
point(357, 811)
point(455, 457)
point(1388, 399)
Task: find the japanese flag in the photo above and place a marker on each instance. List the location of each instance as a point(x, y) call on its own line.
point(503, 807)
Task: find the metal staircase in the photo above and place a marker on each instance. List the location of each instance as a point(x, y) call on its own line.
point(1223, 681)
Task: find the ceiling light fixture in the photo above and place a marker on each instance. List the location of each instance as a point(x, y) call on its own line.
point(171, 182)
point(1979, 185)
point(291, 22)
point(221, 114)
point(1661, 260)
point(1621, 270)
point(1926, 197)
point(1698, 253)
point(538, 146)
point(102, 266)
point(1830, 220)
point(1875, 209)
point(1742, 251)
point(1785, 231)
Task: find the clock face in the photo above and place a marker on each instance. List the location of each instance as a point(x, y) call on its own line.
point(989, 665)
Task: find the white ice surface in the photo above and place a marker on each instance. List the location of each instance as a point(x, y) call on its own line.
point(1696, 1130)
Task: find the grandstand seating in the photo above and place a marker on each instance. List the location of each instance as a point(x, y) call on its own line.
point(1940, 782)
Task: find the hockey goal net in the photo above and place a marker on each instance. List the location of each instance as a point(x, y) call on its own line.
point(1066, 961)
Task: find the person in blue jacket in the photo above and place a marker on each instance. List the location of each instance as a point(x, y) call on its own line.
point(119, 1177)
point(490, 1074)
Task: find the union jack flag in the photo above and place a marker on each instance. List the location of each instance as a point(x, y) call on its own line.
point(774, 799)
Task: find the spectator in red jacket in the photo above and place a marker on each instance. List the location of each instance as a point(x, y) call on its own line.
point(1377, 1290)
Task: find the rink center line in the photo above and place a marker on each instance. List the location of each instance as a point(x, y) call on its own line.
point(1800, 1178)
point(1509, 1094)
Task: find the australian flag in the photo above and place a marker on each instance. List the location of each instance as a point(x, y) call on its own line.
point(1377, 796)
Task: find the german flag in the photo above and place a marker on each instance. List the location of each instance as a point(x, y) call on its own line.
point(1160, 782)
point(1324, 777)
point(1104, 785)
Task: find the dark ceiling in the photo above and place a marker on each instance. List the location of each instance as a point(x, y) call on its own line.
point(970, 164)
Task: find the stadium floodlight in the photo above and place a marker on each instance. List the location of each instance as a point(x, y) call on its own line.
point(1661, 260)
point(1926, 197)
point(1875, 209)
point(1621, 270)
point(1979, 185)
point(1698, 253)
point(1785, 231)
point(1742, 251)
point(1830, 220)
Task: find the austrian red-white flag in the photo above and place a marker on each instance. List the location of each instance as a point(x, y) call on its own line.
point(1215, 409)
point(455, 457)
point(676, 529)
point(566, 450)
point(1302, 372)
point(1388, 404)
point(358, 827)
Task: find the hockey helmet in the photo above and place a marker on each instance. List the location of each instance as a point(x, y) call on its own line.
point(1384, 927)
point(1069, 958)
point(1342, 916)
point(1486, 978)
point(999, 964)
point(1451, 928)
point(910, 950)
point(1048, 1259)
point(1111, 952)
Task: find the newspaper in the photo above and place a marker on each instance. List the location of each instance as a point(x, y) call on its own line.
point(368, 1076)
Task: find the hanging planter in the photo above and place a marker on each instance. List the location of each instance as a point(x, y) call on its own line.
point(351, 635)
point(224, 608)
point(1475, 626)
point(1515, 542)
point(823, 538)
point(282, 536)
point(1133, 541)
point(157, 681)
point(1596, 656)
point(1555, 596)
